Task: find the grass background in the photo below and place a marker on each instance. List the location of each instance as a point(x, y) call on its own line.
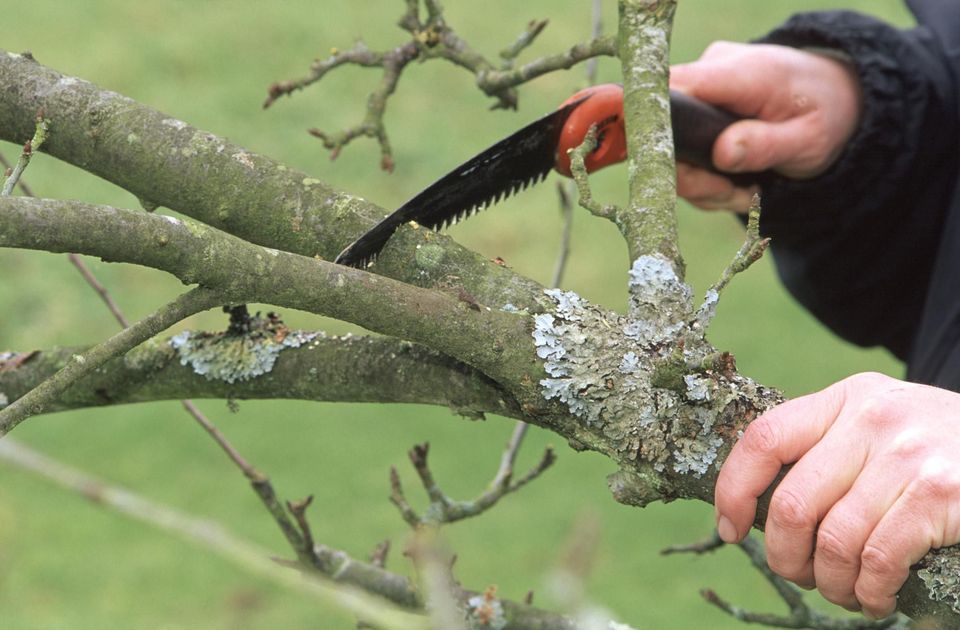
point(67, 564)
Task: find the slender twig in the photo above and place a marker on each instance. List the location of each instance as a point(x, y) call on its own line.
point(579, 171)
point(399, 499)
point(526, 38)
point(435, 39)
point(596, 31)
point(209, 534)
point(444, 509)
point(36, 400)
point(101, 290)
point(378, 557)
point(7, 166)
point(707, 545)
point(33, 144)
point(563, 253)
point(750, 252)
point(248, 470)
point(801, 615)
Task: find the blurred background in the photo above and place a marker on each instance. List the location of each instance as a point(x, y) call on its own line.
point(65, 563)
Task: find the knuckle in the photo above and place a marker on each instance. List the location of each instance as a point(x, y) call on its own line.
point(762, 436)
point(790, 510)
point(876, 559)
point(872, 602)
point(836, 549)
point(935, 483)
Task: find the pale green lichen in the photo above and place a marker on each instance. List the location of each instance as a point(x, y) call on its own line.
point(429, 257)
point(233, 357)
point(4, 401)
point(646, 386)
point(941, 575)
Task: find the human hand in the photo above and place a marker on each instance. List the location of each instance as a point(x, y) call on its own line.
point(801, 110)
point(876, 484)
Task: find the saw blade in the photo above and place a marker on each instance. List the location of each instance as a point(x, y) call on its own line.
point(512, 164)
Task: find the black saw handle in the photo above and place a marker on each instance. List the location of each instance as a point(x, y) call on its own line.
point(696, 126)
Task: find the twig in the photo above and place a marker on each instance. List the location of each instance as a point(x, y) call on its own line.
point(101, 290)
point(249, 471)
point(8, 167)
point(205, 532)
point(579, 171)
point(596, 20)
point(442, 508)
point(434, 39)
point(750, 252)
point(801, 615)
point(378, 557)
point(707, 545)
point(399, 499)
point(37, 399)
point(566, 208)
point(39, 135)
point(526, 38)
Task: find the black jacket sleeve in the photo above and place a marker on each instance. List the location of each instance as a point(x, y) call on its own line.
point(857, 245)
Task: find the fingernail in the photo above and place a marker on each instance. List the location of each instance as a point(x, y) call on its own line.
point(737, 156)
point(726, 530)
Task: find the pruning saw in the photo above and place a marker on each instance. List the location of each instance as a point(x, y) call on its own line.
point(527, 156)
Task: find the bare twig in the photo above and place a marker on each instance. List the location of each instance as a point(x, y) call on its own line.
point(707, 545)
point(442, 508)
point(435, 39)
point(378, 557)
point(209, 534)
point(579, 171)
point(750, 252)
point(8, 167)
point(101, 290)
point(34, 402)
point(526, 38)
point(39, 135)
point(801, 615)
point(566, 208)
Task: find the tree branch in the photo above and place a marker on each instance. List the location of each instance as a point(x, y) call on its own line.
point(43, 395)
point(334, 369)
point(650, 223)
point(493, 341)
point(210, 535)
point(166, 162)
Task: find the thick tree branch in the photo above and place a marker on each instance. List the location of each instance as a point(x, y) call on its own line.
point(495, 342)
point(46, 393)
point(333, 369)
point(166, 162)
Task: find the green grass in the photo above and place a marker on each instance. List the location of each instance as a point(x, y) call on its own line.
point(67, 564)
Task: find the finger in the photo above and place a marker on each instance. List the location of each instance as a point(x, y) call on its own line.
point(844, 531)
point(923, 517)
point(780, 436)
point(722, 81)
point(815, 483)
point(710, 191)
point(756, 145)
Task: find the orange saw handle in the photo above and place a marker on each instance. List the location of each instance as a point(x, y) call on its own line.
point(696, 126)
